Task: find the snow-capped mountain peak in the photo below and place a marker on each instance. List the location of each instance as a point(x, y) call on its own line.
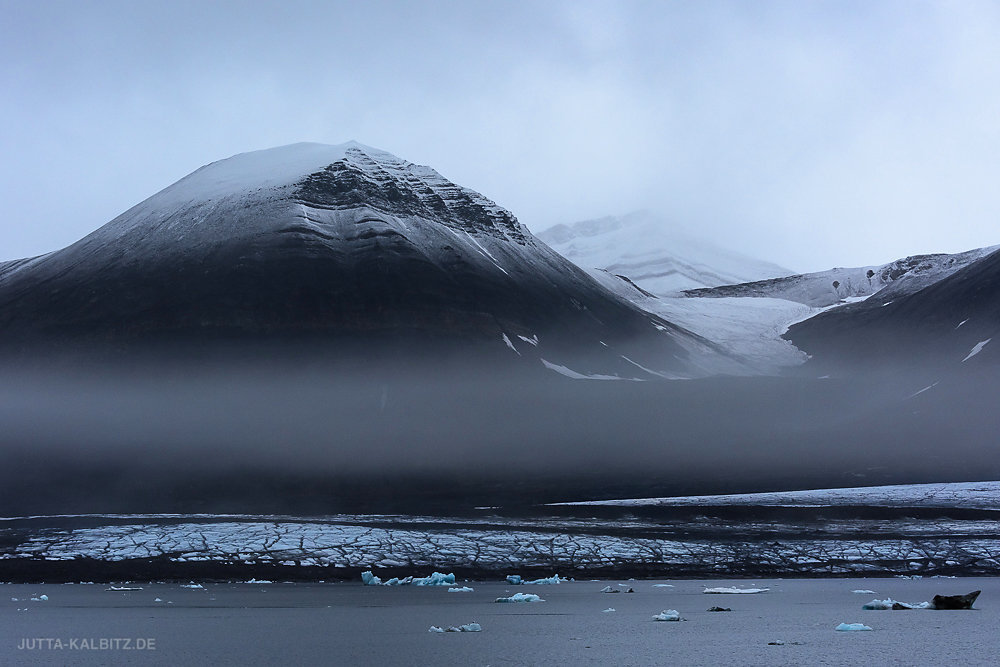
point(654, 254)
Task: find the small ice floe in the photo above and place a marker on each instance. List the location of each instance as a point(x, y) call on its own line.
point(435, 579)
point(157, 600)
point(864, 591)
point(259, 581)
point(14, 600)
point(468, 627)
point(608, 610)
point(621, 588)
point(727, 590)
point(463, 589)
point(852, 627)
point(668, 615)
point(40, 598)
point(195, 586)
point(663, 585)
point(976, 349)
point(719, 609)
point(909, 576)
point(124, 588)
point(889, 603)
point(516, 580)
point(521, 597)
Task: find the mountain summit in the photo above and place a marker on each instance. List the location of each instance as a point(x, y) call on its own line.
point(653, 254)
point(334, 244)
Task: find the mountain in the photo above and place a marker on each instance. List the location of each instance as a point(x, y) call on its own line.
point(827, 288)
point(661, 260)
point(318, 248)
point(750, 319)
point(948, 325)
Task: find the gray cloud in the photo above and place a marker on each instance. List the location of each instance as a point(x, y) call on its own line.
point(810, 134)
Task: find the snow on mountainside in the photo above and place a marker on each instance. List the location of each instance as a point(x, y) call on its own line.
point(949, 322)
point(749, 327)
point(643, 247)
point(827, 288)
point(751, 318)
point(338, 243)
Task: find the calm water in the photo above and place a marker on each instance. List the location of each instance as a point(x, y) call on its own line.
point(350, 624)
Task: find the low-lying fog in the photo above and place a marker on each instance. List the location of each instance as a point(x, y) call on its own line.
point(326, 438)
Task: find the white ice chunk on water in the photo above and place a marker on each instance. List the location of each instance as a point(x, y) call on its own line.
point(889, 602)
point(191, 586)
point(40, 598)
point(727, 590)
point(521, 597)
point(976, 349)
point(668, 615)
point(260, 581)
point(516, 580)
point(463, 589)
point(864, 591)
point(663, 585)
point(608, 610)
point(609, 589)
point(852, 627)
point(511, 346)
point(157, 600)
point(468, 627)
point(435, 579)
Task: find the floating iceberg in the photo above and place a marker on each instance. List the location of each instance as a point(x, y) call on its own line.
point(668, 615)
point(889, 603)
point(435, 579)
point(663, 585)
point(259, 581)
point(468, 627)
point(608, 610)
point(516, 580)
point(463, 589)
point(190, 586)
point(852, 627)
point(124, 588)
point(864, 591)
point(724, 589)
point(521, 597)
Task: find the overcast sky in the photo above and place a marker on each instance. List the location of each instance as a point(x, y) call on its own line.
point(812, 134)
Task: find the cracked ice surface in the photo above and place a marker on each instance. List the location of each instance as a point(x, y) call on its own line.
point(924, 547)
